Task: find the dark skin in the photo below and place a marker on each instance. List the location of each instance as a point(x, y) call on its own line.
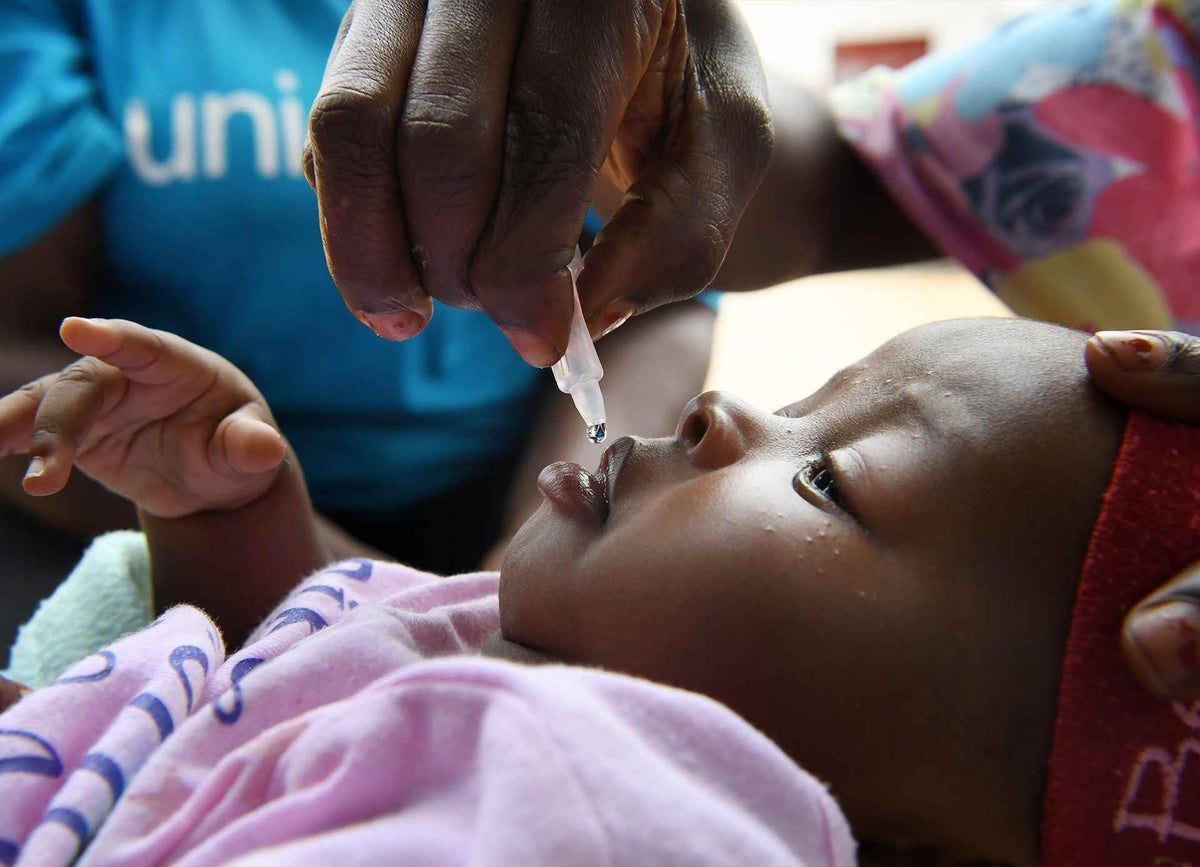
point(450, 162)
point(56, 275)
point(680, 146)
point(921, 520)
point(906, 541)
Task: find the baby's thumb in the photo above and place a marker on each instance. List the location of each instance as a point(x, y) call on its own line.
point(245, 442)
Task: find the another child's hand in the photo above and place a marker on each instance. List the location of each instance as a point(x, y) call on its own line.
point(170, 426)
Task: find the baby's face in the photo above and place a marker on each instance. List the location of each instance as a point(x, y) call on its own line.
point(871, 575)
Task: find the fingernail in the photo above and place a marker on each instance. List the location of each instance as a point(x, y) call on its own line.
point(398, 325)
point(614, 316)
point(37, 466)
point(1133, 352)
point(1168, 639)
point(536, 350)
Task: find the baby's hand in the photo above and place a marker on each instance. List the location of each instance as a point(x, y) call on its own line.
point(173, 427)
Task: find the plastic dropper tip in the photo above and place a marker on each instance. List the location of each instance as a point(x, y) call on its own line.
point(597, 432)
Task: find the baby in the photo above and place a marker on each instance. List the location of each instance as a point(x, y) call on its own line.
point(881, 577)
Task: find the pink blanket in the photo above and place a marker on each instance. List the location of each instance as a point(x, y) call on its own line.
point(360, 726)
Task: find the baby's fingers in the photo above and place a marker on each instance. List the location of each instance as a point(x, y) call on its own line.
point(245, 442)
point(143, 354)
point(17, 412)
point(70, 402)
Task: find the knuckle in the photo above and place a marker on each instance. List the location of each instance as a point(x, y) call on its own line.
point(46, 434)
point(33, 391)
point(351, 127)
point(546, 153)
point(549, 146)
point(83, 372)
point(706, 253)
point(444, 144)
point(752, 117)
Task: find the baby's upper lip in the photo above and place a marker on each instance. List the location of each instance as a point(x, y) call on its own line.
point(611, 462)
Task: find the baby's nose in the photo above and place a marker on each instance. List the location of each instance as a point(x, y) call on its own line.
point(711, 429)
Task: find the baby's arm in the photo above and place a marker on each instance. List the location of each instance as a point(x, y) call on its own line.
point(185, 436)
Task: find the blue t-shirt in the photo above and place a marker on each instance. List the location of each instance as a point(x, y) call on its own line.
point(187, 118)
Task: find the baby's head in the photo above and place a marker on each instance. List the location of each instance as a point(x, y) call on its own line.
point(880, 577)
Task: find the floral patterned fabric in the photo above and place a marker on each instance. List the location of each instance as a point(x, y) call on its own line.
point(1058, 159)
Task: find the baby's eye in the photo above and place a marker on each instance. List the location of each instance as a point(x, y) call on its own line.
point(818, 478)
point(827, 485)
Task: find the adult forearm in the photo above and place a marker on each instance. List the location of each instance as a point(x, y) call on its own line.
point(819, 208)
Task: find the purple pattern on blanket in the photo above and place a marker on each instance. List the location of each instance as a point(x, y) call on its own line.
point(383, 736)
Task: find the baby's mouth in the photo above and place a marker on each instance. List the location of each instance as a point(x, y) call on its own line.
point(610, 465)
point(574, 491)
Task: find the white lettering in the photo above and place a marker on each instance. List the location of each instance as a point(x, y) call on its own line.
point(181, 164)
point(271, 135)
point(217, 109)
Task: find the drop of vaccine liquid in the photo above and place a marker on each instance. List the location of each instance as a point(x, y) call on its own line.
point(597, 432)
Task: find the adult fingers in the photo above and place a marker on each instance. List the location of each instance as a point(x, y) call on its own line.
point(1161, 638)
point(352, 133)
point(1155, 371)
point(578, 68)
point(669, 238)
point(450, 139)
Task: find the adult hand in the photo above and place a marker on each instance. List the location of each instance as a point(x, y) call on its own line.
point(1159, 372)
point(455, 146)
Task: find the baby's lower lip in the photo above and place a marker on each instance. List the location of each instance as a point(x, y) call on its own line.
point(574, 491)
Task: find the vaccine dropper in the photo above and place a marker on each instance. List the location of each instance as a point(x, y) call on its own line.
point(578, 372)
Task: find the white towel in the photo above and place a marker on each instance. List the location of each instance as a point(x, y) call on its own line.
point(107, 595)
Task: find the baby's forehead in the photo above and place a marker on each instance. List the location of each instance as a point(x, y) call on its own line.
point(962, 377)
point(998, 357)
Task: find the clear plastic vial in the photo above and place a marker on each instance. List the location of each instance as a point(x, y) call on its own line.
point(578, 372)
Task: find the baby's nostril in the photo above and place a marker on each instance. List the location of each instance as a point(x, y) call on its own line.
point(694, 428)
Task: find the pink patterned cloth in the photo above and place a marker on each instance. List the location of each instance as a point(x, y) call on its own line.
point(1058, 159)
point(359, 725)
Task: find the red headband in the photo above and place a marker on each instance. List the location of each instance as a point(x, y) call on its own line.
point(1124, 774)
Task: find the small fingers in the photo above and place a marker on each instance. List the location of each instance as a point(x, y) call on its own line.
point(144, 355)
point(1154, 371)
point(17, 412)
point(1161, 638)
point(70, 404)
point(245, 442)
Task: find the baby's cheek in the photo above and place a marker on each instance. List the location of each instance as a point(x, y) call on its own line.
point(536, 604)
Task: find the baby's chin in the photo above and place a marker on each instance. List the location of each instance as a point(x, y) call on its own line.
point(533, 577)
